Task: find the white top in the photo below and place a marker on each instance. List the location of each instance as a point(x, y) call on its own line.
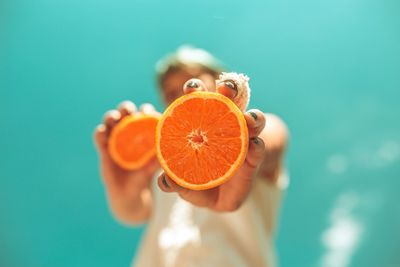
point(182, 235)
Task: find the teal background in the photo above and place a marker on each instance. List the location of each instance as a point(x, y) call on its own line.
point(329, 68)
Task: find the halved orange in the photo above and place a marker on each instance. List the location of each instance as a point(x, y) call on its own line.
point(201, 140)
point(132, 140)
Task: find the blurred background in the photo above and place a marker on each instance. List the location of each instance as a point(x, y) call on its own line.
point(331, 69)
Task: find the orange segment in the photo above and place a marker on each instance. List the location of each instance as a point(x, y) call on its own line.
point(132, 141)
point(201, 140)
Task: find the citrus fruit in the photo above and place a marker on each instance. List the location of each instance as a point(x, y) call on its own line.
point(132, 140)
point(201, 140)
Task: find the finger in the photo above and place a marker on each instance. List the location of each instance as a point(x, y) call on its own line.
point(255, 153)
point(194, 85)
point(255, 120)
point(227, 88)
point(126, 107)
point(147, 108)
point(111, 118)
point(203, 198)
point(168, 185)
point(164, 184)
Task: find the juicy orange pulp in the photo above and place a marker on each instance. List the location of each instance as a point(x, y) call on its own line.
point(132, 140)
point(201, 140)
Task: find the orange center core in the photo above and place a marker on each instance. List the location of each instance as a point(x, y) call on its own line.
point(197, 139)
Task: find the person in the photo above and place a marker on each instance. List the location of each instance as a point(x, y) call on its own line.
point(230, 225)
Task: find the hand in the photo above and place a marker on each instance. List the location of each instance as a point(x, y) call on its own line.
point(230, 195)
point(128, 191)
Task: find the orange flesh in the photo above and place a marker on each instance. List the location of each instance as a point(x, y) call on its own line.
point(202, 140)
point(132, 141)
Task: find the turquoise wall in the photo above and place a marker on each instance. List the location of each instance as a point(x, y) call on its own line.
point(329, 68)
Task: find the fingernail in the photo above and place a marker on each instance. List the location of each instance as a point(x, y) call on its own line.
point(231, 84)
point(255, 140)
point(164, 181)
point(253, 114)
point(193, 84)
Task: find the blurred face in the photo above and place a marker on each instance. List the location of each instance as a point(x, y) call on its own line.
point(172, 86)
